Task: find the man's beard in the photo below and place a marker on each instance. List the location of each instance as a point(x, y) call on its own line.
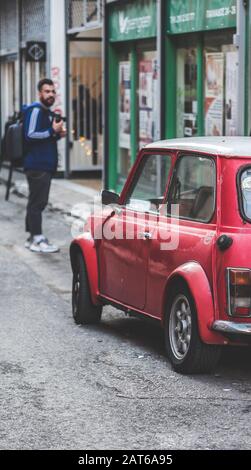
point(48, 102)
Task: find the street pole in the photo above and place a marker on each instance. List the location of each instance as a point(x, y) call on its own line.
point(240, 41)
point(105, 92)
point(161, 67)
point(67, 91)
point(19, 50)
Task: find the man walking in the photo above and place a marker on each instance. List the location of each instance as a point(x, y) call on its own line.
point(41, 158)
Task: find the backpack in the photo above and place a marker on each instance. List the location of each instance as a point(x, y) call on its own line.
point(14, 141)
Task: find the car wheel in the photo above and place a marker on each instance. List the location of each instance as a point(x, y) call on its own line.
point(187, 353)
point(83, 310)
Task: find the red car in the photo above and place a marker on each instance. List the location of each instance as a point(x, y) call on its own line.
point(175, 246)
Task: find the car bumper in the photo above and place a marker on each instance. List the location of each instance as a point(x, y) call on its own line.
point(230, 327)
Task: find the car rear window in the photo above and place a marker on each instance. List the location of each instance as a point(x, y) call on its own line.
point(245, 191)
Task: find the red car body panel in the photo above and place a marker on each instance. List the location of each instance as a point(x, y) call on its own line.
point(199, 287)
point(86, 244)
point(232, 224)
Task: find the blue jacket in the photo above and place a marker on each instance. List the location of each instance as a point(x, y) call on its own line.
point(40, 140)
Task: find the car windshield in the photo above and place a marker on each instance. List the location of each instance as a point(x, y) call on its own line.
point(245, 186)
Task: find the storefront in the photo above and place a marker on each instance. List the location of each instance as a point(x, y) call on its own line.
point(86, 105)
point(201, 68)
point(133, 84)
point(84, 35)
point(196, 80)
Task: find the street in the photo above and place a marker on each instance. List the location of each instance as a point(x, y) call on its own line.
point(108, 386)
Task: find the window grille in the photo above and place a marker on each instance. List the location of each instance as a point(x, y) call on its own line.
point(84, 13)
point(34, 26)
point(91, 11)
point(8, 26)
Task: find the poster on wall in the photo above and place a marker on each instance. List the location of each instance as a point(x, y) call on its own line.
point(231, 93)
point(214, 93)
point(124, 104)
point(147, 101)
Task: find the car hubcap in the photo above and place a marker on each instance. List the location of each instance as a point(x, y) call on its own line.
point(180, 327)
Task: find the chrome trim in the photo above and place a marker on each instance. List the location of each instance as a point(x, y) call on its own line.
point(232, 327)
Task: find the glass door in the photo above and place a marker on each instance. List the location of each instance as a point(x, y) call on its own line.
point(124, 117)
point(186, 94)
point(86, 141)
point(220, 84)
point(147, 97)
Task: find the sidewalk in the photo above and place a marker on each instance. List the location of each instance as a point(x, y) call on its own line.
point(64, 194)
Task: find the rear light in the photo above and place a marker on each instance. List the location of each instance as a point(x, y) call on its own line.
point(239, 292)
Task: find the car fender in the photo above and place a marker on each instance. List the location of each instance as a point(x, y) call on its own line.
point(86, 244)
point(196, 279)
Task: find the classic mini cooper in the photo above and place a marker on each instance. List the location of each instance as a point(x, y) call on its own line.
point(175, 246)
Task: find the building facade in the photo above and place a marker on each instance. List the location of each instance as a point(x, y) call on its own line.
point(23, 52)
point(30, 34)
point(128, 73)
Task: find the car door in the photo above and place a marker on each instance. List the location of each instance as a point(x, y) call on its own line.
point(186, 228)
point(124, 248)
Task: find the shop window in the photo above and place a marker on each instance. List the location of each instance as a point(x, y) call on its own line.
point(84, 13)
point(186, 92)
point(86, 107)
point(147, 97)
point(220, 87)
point(9, 91)
point(92, 11)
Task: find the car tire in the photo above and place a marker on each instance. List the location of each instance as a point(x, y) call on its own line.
point(185, 350)
point(83, 310)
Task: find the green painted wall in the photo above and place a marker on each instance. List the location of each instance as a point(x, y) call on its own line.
point(113, 117)
point(170, 72)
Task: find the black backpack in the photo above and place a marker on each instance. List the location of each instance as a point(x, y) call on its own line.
point(14, 142)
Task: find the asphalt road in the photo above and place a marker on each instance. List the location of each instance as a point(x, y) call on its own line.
point(109, 386)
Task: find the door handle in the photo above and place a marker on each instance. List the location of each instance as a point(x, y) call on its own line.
point(117, 210)
point(145, 235)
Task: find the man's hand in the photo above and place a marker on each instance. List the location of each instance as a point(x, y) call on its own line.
point(57, 126)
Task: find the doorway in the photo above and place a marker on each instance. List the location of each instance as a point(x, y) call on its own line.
point(86, 134)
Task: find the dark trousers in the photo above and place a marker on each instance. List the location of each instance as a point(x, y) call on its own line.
point(39, 186)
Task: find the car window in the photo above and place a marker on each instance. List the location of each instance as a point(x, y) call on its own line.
point(193, 188)
point(148, 188)
point(245, 187)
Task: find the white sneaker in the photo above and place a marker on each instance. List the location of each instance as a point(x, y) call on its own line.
point(43, 246)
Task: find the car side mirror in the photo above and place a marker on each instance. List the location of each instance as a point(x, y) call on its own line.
point(109, 197)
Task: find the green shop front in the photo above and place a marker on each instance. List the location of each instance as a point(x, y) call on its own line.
point(172, 71)
point(201, 68)
point(133, 84)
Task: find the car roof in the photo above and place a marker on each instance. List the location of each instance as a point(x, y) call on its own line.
point(227, 146)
